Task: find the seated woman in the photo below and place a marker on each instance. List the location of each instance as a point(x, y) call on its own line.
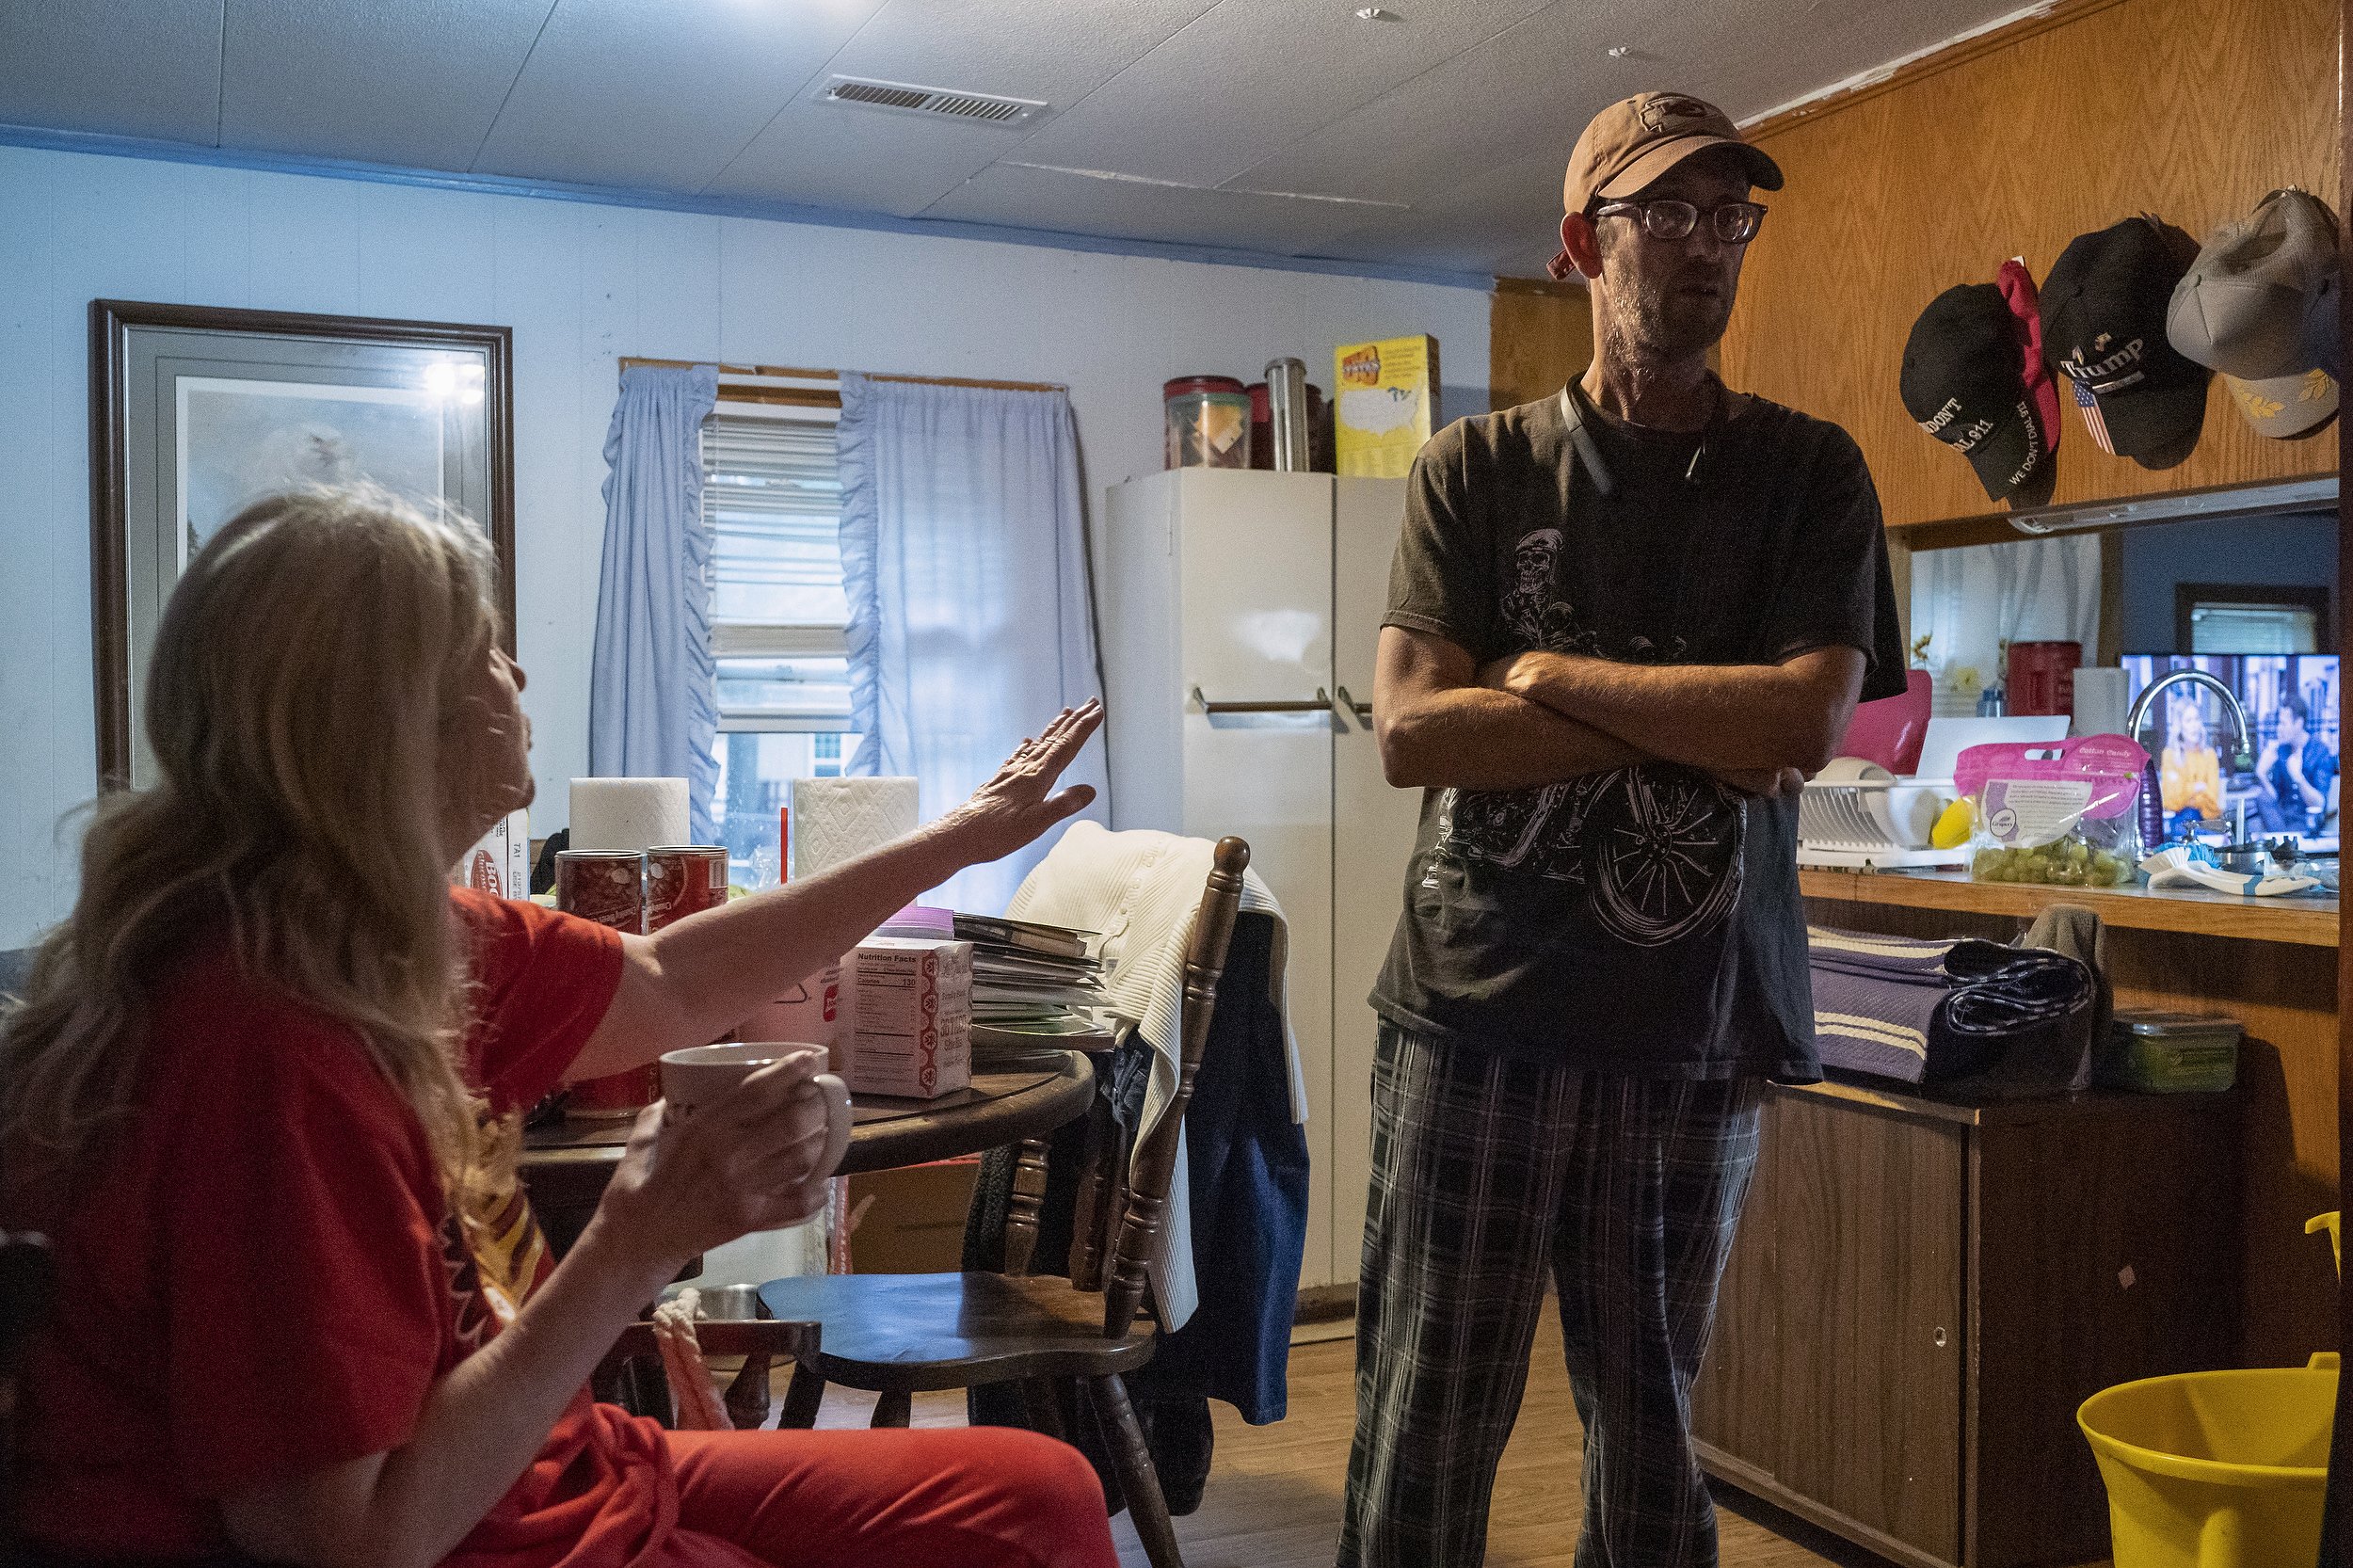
point(262, 1091)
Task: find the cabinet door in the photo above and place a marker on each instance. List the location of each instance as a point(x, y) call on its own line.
point(1372, 839)
point(1868, 1247)
point(1255, 564)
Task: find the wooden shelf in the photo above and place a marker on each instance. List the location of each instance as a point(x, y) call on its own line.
point(2309, 921)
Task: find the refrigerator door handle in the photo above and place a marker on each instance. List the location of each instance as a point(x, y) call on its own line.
point(1362, 711)
point(1273, 714)
point(1317, 704)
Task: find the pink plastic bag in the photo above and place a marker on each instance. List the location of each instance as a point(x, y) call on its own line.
point(2058, 812)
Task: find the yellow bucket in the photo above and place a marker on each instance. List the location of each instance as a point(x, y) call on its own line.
point(2214, 1469)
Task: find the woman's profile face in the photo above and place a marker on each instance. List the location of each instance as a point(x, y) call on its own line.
point(487, 750)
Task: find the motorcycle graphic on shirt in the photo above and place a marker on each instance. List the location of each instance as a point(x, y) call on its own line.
point(1656, 848)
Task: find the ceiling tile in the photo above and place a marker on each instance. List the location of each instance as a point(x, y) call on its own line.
point(845, 155)
point(1065, 202)
point(660, 96)
point(1498, 220)
point(128, 68)
point(410, 83)
point(1531, 88)
point(1049, 49)
point(835, 155)
point(1253, 75)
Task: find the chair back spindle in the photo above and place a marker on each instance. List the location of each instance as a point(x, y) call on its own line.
point(1154, 1165)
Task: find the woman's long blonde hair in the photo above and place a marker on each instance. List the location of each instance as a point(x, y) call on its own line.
point(307, 670)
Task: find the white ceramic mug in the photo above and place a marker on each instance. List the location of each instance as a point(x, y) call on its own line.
point(702, 1074)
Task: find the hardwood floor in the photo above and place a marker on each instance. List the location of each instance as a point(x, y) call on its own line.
point(1274, 1498)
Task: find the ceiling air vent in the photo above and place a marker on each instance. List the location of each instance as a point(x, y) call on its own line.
point(905, 98)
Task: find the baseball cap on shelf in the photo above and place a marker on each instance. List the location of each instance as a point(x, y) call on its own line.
point(1964, 381)
point(1634, 141)
point(2103, 306)
point(2259, 305)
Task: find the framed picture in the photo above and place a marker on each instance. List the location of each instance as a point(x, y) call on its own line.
point(195, 411)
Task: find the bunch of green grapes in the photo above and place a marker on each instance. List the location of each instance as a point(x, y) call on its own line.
point(2070, 862)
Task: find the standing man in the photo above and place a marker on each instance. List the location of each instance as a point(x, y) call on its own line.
point(1625, 623)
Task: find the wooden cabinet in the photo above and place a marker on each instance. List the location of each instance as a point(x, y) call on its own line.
point(2011, 144)
point(1924, 1290)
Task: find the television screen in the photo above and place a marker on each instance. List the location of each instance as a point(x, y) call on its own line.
point(2290, 703)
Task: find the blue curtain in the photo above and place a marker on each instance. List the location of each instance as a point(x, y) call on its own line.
point(964, 555)
point(653, 696)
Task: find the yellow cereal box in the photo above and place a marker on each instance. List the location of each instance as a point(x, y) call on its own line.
point(1387, 405)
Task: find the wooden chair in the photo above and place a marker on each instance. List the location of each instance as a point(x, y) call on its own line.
point(900, 1334)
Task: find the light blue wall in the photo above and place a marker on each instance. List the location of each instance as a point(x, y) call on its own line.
point(581, 285)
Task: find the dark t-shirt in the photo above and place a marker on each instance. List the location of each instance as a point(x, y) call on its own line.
point(1644, 919)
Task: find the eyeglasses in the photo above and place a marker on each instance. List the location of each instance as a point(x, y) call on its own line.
point(1734, 222)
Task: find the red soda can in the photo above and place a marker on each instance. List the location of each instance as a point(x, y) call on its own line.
point(609, 887)
point(681, 880)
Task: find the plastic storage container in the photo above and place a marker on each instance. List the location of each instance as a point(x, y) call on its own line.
point(2169, 1053)
point(1208, 421)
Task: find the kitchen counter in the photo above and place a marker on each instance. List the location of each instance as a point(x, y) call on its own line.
point(2271, 964)
point(2297, 917)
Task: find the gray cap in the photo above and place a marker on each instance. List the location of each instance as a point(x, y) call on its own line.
point(2259, 305)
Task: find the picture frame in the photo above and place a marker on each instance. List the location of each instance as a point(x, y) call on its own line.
point(196, 410)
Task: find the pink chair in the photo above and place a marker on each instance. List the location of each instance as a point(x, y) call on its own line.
point(1890, 730)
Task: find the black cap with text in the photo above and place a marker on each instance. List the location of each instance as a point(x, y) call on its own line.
point(1964, 381)
point(2103, 309)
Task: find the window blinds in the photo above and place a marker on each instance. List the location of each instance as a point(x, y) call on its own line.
point(772, 495)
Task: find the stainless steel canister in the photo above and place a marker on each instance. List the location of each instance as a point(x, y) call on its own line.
point(1287, 395)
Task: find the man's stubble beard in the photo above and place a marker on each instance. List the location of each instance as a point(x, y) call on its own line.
point(1656, 325)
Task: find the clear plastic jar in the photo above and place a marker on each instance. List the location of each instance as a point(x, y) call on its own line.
point(1208, 421)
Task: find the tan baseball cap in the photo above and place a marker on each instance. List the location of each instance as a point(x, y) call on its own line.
point(1633, 143)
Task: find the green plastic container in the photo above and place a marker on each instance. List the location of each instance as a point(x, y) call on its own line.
point(2169, 1053)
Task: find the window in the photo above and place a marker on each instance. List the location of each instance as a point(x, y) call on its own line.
point(2220, 618)
point(771, 497)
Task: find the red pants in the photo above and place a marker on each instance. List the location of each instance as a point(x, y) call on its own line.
point(952, 1497)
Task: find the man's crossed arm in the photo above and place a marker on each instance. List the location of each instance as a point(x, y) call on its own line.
point(1539, 718)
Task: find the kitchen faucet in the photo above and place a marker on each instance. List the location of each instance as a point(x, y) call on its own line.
point(2242, 758)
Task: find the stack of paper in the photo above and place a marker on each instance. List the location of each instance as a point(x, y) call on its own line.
point(1038, 979)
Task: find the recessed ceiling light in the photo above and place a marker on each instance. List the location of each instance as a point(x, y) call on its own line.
point(1378, 13)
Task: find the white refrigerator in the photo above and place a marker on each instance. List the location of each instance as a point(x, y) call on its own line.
point(1239, 612)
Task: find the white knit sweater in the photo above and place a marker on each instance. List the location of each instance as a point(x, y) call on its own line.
point(1142, 890)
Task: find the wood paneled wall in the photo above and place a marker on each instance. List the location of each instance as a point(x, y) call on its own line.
point(1539, 334)
point(2013, 145)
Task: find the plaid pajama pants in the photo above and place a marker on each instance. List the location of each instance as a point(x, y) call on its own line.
point(1485, 1172)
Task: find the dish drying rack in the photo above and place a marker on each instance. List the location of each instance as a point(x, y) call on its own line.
point(1866, 823)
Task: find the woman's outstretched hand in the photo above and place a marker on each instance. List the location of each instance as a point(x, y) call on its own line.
point(1021, 802)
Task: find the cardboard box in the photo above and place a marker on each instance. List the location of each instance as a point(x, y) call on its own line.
point(500, 865)
point(1387, 407)
point(911, 1221)
point(911, 1012)
point(816, 1012)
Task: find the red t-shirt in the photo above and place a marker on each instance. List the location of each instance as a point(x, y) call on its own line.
point(263, 1277)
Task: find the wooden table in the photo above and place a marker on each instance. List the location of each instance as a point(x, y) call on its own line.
point(565, 1165)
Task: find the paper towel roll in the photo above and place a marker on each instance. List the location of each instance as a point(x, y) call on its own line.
point(628, 813)
point(2099, 700)
point(834, 818)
